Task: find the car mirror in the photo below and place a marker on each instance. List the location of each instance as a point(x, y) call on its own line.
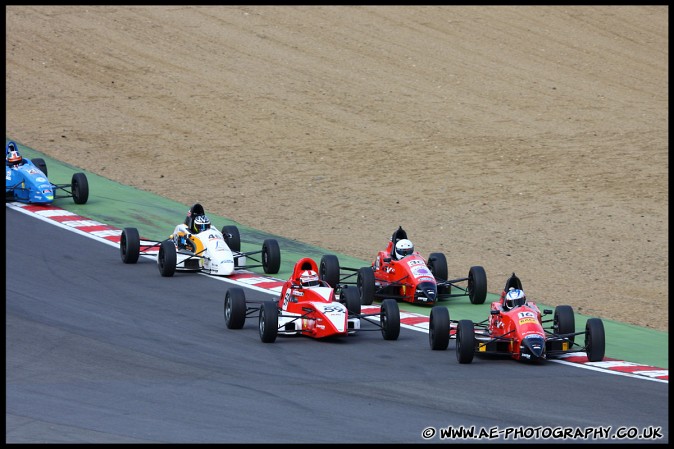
point(495, 312)
point(387, 259)
point(547, 312)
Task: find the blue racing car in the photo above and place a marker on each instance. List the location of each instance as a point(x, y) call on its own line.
point(27, 182)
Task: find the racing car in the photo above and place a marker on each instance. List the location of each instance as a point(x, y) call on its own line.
point(515, 328)
point(205, 250)
point(400, 273)
point(308, 306)
point(26, 181)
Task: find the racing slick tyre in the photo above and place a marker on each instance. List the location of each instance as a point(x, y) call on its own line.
point(365, 284)
point(328, 269)
point(437, 264)
point(268, 322)
point(351, 299)
point(465, 341)
point(595, 340)
point(129, 245)
point(80, 188)
point(271, 256)
point(438, 328)
point(564, 321)
point(477, 285)
point(166, 259)
point(41, 164)
point(232, 237)
point(235, 308)
point(390, 319)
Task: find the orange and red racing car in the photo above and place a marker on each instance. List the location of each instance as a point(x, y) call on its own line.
point(399, 272)
point(515, 329)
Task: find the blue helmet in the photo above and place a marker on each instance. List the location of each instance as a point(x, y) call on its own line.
point(515, 297)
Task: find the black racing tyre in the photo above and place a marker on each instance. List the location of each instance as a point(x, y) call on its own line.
point(328, 269)
point(564, 322)
point(595, 340)
point(390, 319)
point(167, 258)
point(129, 245)
point(465, 341)
point(438, 328)
point(271, 256)
point(41, 164)
point(268, 324)
point(437, 263)
point(80, 188)
point(477, 285)
point(365, 284)
point(232, 237)
point(351, 299)
point(235, 308)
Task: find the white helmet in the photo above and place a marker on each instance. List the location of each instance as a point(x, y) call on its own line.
point(403, 248)
point(515, 297)
point(309, 278)
point(201, 223)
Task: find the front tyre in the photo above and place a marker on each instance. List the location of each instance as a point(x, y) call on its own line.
point(390, 319)
point(268, 323)
point(129, 245)
point(328, 269)
point(41, 164)
point(235, 308)
point(477, 285)
point(438, 328)
point(271, 256)
point(595, 340)
point(232, 237)
point(465, 341)
point(351, 298)
point(167, 259)
point(80, 188)
point(564, 322)
point(365, 283)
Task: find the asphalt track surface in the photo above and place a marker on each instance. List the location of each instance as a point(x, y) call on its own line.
point(98, 351)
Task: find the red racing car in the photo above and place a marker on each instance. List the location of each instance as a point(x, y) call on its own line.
point(400, 273)
point(308, 306)
point(515, 329)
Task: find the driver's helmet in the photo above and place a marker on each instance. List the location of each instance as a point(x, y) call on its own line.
point(309, 278)
point(515, 297)
point(403, 248)
point(200, 224)
point(13, 156)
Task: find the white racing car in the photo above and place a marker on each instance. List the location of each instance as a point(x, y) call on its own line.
point(196, 246)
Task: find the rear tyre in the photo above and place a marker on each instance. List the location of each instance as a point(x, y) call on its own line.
point(328, 269)
point(351, 298)
point(365, 284)
point(390, 319)
point(268, 324)
point(438, 328)
point(167, 259)
point(235, 308)
point(41, 164)
point(465, 341)
point(271, 256)
point(477, 285)
point(129, 245)
point(232, 237)
point(564, 322)
point(80, 188)
point(595, 340)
